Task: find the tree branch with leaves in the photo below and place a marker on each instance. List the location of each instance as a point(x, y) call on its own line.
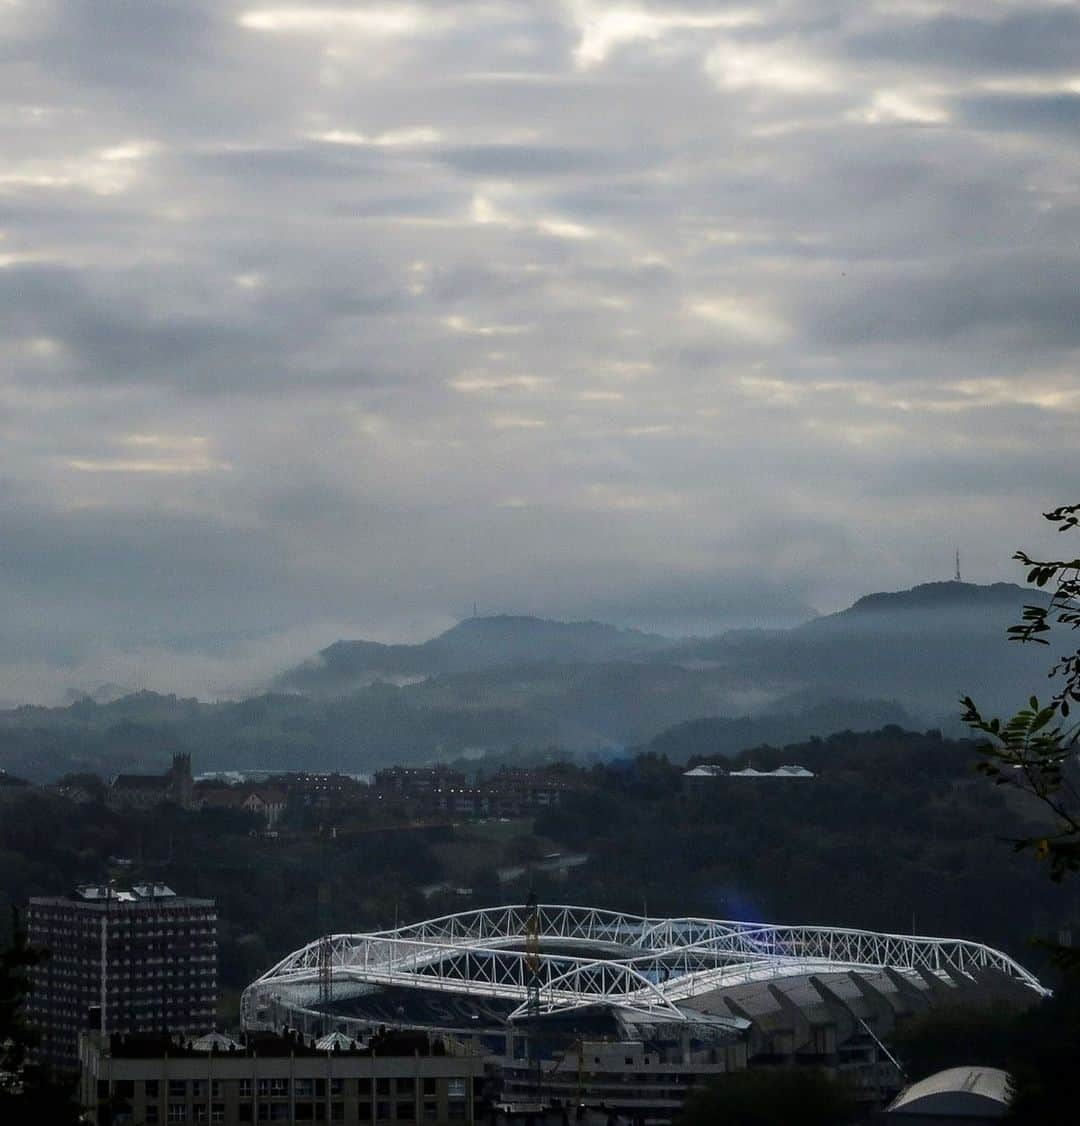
point(1035, 750)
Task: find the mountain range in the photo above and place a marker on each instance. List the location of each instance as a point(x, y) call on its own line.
point(491, 684)
point(919, 649)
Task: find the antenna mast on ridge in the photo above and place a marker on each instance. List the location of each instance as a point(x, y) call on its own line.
point(956, 577)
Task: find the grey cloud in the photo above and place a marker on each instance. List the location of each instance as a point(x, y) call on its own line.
point(535, 160)
point(1034, 39)
point(1025, 299)
point(593, 339)
point(1056, 113)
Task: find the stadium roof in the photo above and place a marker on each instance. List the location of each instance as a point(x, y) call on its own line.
point(590, 957)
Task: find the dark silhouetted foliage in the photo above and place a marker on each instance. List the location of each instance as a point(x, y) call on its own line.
point(770, 1097)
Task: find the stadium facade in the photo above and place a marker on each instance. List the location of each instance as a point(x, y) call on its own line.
point(582, 1005)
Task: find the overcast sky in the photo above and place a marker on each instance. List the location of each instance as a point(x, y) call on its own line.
point(332, 320)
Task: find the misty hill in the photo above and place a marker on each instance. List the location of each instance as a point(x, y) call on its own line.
point(923, 647)
point(892, 657)
point(946, 605)
point(374, 727)
point(493, 684)
point(473, 644)
point(719, 735)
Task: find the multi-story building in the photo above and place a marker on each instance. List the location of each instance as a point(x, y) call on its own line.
point(138, 959)
point(391, 1079)
point(417, 783)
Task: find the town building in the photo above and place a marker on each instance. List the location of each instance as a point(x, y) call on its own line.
point(323, 791)
point(267, 803)
point(391, 1078)
point(707, 772)
point(789, 771)
point(121, 960)
point(12, 787)
point(417, 783)
point(145, 791)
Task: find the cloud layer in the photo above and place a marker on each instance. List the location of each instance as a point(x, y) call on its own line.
point(320, 317)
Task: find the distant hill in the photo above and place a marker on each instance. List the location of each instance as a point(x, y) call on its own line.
point(492, 684)
point(718, 735)
point(472, 645)
point(932, 603)
point(921, 648)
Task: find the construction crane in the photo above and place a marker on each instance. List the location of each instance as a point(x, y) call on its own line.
point(326, 946)
point(532, 1004)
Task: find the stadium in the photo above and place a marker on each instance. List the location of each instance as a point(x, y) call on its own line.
point(576, 1003)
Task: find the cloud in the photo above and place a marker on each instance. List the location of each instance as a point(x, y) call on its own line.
point(677, 312)
point(605, 27)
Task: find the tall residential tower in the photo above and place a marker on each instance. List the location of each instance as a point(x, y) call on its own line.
point(142, 959)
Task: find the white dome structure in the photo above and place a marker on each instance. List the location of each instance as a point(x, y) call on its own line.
point(960, 1095)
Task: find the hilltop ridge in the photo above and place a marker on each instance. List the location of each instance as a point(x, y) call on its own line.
point(474, 644)
point(494, 683)
point(950, 594)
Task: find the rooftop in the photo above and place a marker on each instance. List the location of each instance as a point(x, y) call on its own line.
point(153, 1045)
point(141, 895)
point(972, 1091)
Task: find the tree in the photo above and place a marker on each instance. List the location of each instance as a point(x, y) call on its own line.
point(1035, 750)
point(15, 962)
point(25, 1094)
point(770, 1097)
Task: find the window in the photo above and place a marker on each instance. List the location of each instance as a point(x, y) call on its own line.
point(337, 1112)
point(406, 1112)
point(246, 1086)
point(124, 1088)
point(151, 1115)
point(215, 1088)
point(102, 1090)
point(382, 1086)
point(305, 1112)
point(429, 1086)
point(456, 1109)
point(198, 1088)
point(455, 1088)
point(177, 1112)
point(201, 1113)
point(320, 1088)
point(264, 1088)
point(382, 1112)
point(177, 1088)
point(279, 1086)
point(279, 1112)
point(217, 1112)
point(303, 1088)
point(404, 1087)
point(337, 1086)
point(244, 1112)
point(363, 1112)
point(431, 1111)
point(150, 1089)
